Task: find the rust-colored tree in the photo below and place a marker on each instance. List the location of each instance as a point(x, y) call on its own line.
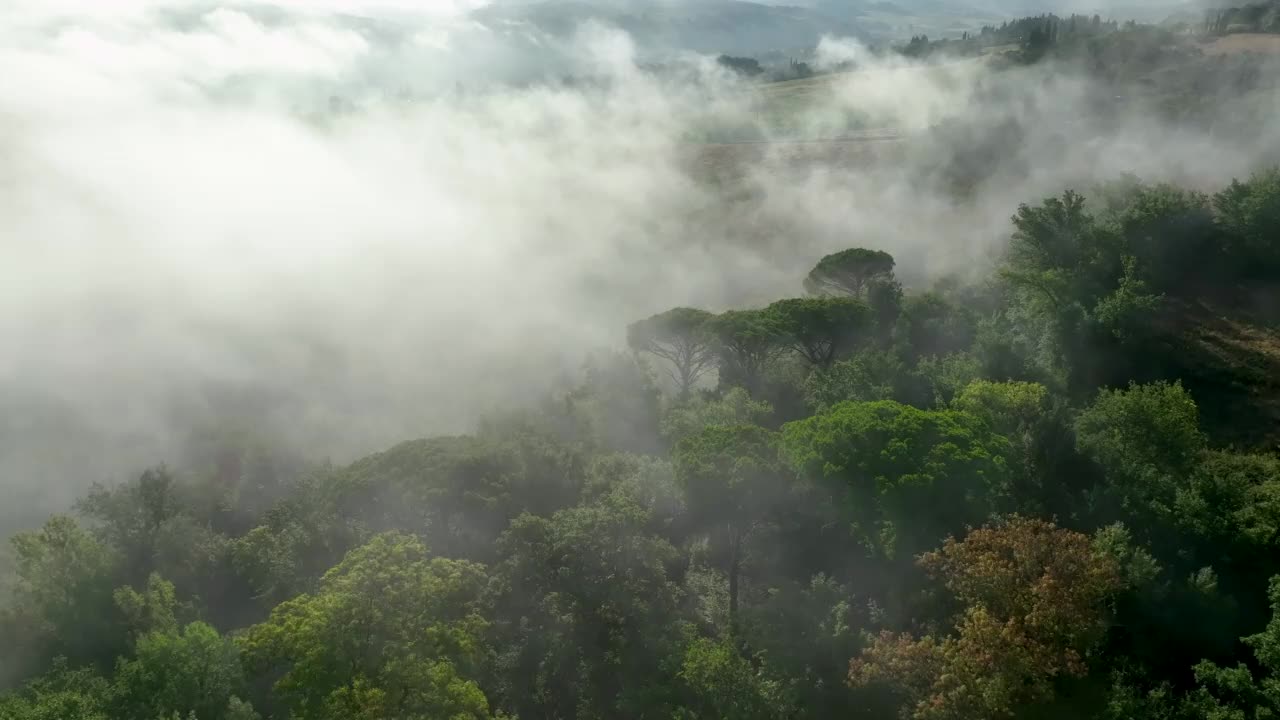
point(1035, 599)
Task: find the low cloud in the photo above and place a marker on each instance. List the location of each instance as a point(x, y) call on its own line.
point(334, 220)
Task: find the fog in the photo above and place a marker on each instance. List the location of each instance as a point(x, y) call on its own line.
point(346, 224)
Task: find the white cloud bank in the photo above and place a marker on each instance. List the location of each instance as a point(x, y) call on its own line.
point(176, 225)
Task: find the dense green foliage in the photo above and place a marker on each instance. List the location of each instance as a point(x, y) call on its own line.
point(1048, 493)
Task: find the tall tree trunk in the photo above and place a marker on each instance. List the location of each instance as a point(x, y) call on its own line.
point(735, 563)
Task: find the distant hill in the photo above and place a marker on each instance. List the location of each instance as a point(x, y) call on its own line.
point(740, 27)
point(758, 28)
point(707, 26)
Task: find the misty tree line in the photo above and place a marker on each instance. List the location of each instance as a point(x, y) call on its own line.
point(1161, 69)
point(1035, 35)
point(751, 68)
point(1251, 17)
point(1051, 492)
point(1090, 38)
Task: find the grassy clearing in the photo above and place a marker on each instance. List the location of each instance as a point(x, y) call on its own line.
point(1268, 43)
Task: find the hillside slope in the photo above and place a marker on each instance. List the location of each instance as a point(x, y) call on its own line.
point(1230, 361)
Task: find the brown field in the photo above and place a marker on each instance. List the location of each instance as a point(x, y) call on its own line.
point(1243, 42)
